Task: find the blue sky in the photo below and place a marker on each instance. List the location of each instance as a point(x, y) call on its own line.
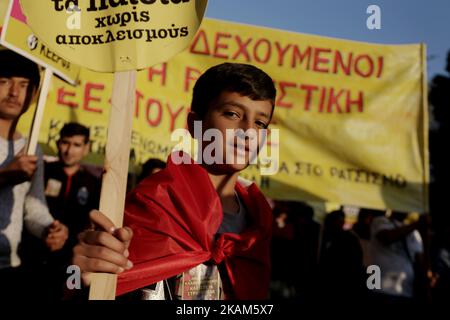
point(402, 21)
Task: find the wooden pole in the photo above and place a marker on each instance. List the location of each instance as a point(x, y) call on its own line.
point(38, 114)
point(112, 198)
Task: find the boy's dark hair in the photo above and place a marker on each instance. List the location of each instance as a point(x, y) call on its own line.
point(74, 129)
point(244, 79)
point(15, 65)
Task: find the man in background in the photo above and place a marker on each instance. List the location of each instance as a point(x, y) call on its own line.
point(71, 192)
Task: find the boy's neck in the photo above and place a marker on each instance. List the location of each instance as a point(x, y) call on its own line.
point(70, 171)
point(224, 184)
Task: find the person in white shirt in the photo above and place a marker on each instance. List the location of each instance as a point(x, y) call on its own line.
point(22, 200)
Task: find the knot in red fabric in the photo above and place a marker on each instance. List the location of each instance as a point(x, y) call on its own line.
point(222, 249)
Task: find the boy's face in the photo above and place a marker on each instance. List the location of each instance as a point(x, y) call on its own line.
point(72, 150)
point(13, 92)
point(234, 111)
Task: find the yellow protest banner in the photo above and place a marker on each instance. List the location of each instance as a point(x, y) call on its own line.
point(17, 36)
point(352, 117)
point(110, 36)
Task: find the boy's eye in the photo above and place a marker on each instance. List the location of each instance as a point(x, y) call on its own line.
point(9, 82)
point(4, 81)
point(231, 114)
point(261, 124)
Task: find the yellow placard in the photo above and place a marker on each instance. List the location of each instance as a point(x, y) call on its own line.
point(352, 117)
point(17, 36)
point(115, 35)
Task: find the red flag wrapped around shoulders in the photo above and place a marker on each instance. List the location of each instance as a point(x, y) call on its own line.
point(175, 215)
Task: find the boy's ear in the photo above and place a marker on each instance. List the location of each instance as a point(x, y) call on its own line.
point(191, 118)
point(57, 143)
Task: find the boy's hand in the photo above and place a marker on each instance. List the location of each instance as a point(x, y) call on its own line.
point(56, 236)
point(103, 249)
point(24, 164)
point(20, 169)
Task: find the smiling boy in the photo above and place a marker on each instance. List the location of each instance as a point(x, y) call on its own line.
point(192, 216)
